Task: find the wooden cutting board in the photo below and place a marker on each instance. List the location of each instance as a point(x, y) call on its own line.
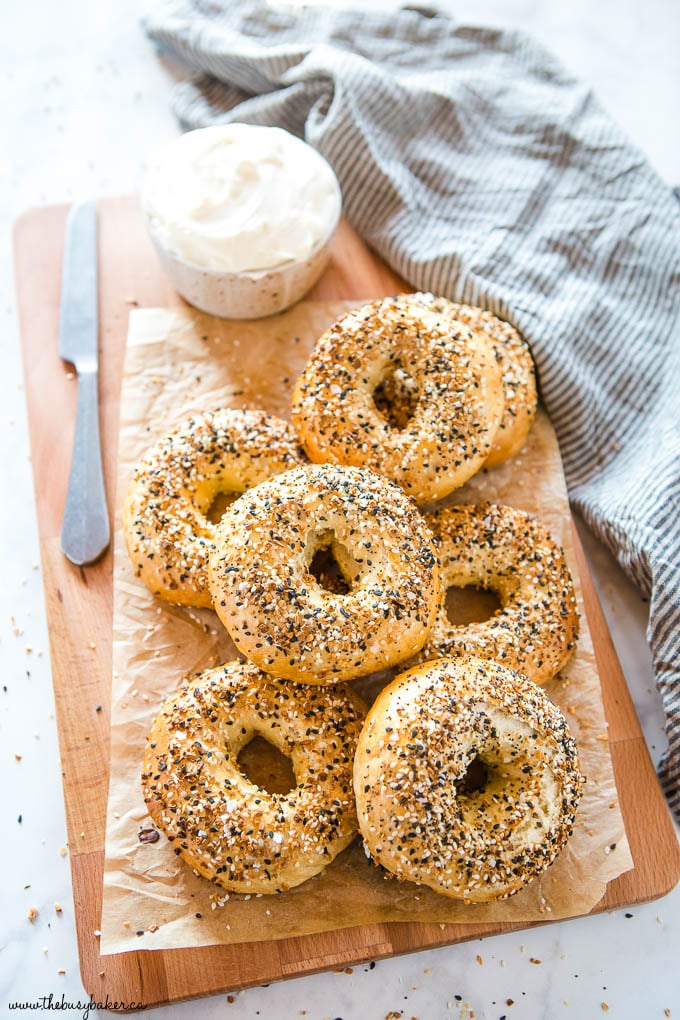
point(79, 613)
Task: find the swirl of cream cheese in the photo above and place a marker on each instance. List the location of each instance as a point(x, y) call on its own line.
point(240, 198)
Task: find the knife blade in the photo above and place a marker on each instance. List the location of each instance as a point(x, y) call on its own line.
point(85, 527)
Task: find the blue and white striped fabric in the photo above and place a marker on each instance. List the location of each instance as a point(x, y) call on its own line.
point(480, 170)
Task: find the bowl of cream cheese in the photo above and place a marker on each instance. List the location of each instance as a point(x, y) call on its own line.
point(242, 217)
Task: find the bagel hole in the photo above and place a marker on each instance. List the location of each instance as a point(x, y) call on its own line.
point(327, 573)
point(475, 778)
point(396, 398)
point(470, 605)
point(265, 766)
point(220, 505)
point(331, 565)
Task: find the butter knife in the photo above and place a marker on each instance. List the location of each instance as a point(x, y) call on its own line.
point(85, 528)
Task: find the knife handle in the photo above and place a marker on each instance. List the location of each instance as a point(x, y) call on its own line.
point(85, 529)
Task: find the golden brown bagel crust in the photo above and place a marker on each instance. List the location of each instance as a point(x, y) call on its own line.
point(167, 532)
point(506, 551)
point(437, 379)
point(418, 818)
point(226, 828)
point(517, 372)
point(276, 611)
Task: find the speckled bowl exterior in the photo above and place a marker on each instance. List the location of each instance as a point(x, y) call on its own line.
point(244, 295)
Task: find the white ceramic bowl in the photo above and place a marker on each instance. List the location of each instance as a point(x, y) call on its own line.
point(244, 294)
point(242, 217)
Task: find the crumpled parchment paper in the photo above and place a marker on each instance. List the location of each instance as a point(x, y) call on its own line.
point(180, 362)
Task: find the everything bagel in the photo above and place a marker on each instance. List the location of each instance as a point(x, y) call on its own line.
point(408, 393)
point(276, 611)
point(167, 531)
point(506, 551)
point(517, 373)
point(223, 825)
point(420, 816)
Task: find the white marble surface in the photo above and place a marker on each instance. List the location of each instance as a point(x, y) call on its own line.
point(84, 101)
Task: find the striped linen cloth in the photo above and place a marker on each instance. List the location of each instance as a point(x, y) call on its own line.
point(479, 169)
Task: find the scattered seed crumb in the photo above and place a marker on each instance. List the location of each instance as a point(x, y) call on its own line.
point(97, 933)
point(62, 851)
point(479, 959)
point(17, 757)
point(604, 1007)
point(92, 645)
point(148, 835)
point(126, 924)
point(61, 971)
point(45, 950)
point(532, 959)
point(57, 908)
point(32, 914)
point(153, 928)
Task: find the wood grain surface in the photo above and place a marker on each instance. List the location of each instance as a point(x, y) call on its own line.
point(79, 612)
